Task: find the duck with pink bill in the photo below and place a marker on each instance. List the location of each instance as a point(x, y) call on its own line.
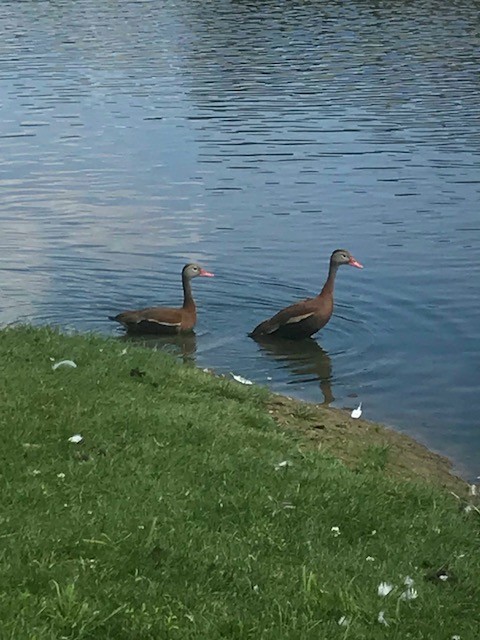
point(166, 320)
point(304, 318)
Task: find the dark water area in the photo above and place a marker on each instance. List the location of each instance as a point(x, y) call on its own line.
point(255, 138)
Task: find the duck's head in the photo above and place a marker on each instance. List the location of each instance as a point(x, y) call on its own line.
point(342, 256)
point(193, 270)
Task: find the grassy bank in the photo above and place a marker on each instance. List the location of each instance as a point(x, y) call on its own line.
point(192, 509)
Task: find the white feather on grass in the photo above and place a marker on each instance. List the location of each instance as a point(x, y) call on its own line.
point(64, 363)
point(356, 413)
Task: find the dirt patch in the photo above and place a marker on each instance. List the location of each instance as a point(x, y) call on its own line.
point(359, 443)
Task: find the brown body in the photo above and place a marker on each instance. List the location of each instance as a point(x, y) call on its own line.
point(166, 320)
point(304, 318)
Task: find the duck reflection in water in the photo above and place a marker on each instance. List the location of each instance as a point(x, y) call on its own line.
point(305, 358)
point(181, 345)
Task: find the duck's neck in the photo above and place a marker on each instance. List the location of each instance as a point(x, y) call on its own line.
point(330, 282)
point(188, 302)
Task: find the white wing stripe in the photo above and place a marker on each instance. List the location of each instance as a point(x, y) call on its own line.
point(166, 324)
point(299, 318)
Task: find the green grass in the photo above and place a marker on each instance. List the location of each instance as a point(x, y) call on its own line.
point(172, 521)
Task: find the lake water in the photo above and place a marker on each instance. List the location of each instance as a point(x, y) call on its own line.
point(255, 138)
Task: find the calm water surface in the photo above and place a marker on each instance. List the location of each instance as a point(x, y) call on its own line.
point(256, 138)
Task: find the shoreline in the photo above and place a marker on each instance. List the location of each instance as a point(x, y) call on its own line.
point(356, 443)
point(364, 442)
point(359, 442)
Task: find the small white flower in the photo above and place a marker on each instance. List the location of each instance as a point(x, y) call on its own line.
point(282, 464)
point(60, 475)
point(256, 588)
point(370, 559)
point(123, 352)
point(384, 589)
point(468, 508)
point(455, 637)
point(89, 513)
point(335, 531)
point(36, 472)
point(436, 529)
point(443, 577)
point(381, 618)
point(408, 581)
point(409, 594)
point(76, 438)
point(374, 532)
point(241, 379)
point(344, 621)
point(473, 490)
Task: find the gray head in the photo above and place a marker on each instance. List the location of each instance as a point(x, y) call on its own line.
point(193, 270)
point(342, 256)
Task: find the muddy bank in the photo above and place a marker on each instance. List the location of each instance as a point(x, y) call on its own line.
point(360, 443)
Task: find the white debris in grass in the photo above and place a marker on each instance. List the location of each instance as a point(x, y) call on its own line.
point(64, 363)
point(335, 531)
point(241, 379)
point(384, 589)
point(370, 559)
point(381, 618)
point(75, 439)
point(61, 476)
point(283, 464)
point(344, 621)
point(356, 413)
point(409, 594)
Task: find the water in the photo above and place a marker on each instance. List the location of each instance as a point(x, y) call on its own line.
point(256, 138)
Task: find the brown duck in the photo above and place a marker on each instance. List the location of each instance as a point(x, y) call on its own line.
point(164, 320)
point(303, 319)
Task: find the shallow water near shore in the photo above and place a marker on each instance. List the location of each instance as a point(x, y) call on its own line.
point(257, 138)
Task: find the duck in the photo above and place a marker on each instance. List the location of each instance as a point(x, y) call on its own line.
point(304, 318)
point(166, 320)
